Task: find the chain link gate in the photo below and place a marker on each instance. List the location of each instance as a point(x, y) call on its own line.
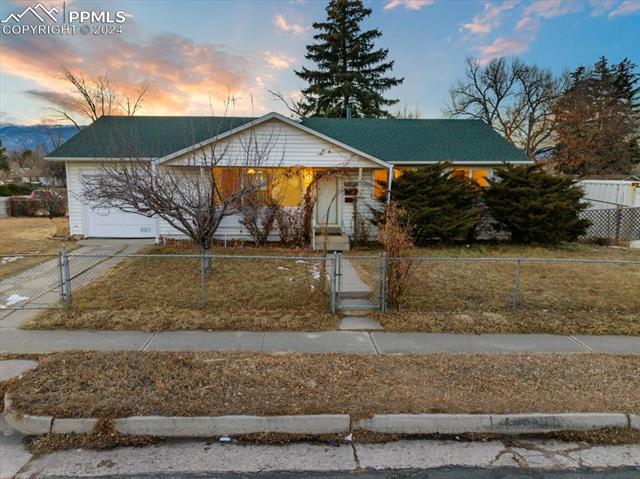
point(357, 282)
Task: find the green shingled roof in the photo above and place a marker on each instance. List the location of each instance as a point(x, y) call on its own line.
point(143, 136)
point(418, 141)
point(391, 140)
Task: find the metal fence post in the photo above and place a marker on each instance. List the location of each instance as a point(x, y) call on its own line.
point(380, 281)
point(385, 269)
point(66, 277)
point(516, 285)
point(334, 282)
point(61, 278)
point(203, 294)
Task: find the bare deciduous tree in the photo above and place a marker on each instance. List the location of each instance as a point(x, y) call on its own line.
point(92, 97)
point(193, 196)
point(514, 98)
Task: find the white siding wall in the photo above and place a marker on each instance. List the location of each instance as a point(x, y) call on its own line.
point(605, 194)
point(365, 199)
point(75, 170)
point(289, 146)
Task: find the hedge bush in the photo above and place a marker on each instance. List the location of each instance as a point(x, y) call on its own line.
point(439, 206)
point(534, 206)
point(21, 206)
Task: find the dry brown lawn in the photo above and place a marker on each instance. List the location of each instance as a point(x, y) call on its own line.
point(29, 235)
point(163, 293)
point(476, 296)
point(117, 384)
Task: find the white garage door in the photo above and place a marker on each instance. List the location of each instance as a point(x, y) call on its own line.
point(113, 223)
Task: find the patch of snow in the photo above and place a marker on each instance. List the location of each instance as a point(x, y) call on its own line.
point(224, 439)
point(349, 437)
point(10, 259)
point(291, 280)
point(315, 273)
point(281, 268)
point(300, 261)
point(13, 299)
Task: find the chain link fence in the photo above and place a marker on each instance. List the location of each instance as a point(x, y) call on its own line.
point(167, 285)
point(490, 284)
point(236, 285)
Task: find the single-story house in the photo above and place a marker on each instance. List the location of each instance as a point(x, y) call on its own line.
point(363, 150)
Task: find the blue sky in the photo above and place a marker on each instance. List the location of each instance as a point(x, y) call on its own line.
point(193, 54)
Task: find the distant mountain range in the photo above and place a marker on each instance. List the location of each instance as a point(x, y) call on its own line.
point(22, 137)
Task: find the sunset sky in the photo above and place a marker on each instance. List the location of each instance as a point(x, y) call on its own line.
point(194, 53)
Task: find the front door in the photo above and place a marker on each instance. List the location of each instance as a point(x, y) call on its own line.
point(327, 204)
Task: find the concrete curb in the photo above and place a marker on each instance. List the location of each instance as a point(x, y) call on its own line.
point(232, 425)
point(211, 426)
point(426, 423)
point(541, 423)
point(493, 423)
point(26, 424)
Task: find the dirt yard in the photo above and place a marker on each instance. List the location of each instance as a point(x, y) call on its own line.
point(242, 293)
point(100, 384)
point(29, 235)
point(472, 296)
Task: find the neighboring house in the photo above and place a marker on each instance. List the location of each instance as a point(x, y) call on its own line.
point(363, 150)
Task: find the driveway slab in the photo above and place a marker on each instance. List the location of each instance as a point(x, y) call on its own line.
point(485, 343)
point(206, 341)
point(323, 342)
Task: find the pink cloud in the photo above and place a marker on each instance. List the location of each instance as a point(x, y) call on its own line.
point(287, 25)
point(627, 7)
point(489, 18)
point(408, 4)
point(276, 60)
point(184, 77)
point(600, 7)
point(502, 47)
point(552, 8)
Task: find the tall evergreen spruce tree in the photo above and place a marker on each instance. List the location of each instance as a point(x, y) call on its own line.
point(349, 70)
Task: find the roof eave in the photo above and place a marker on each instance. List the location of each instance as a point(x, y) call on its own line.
point(262, 119)
point(93, 158)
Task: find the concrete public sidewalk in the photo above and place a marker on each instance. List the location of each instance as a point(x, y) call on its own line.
point(14, 340)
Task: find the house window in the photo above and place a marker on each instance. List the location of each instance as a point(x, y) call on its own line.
point(283, 185)
point(378, 177)
point(479, 175)
point(460, 173)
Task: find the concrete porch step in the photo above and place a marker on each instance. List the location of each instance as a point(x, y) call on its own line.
point(355, 307)
point(335, 242)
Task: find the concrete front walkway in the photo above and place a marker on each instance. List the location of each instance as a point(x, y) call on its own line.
point(14, 340)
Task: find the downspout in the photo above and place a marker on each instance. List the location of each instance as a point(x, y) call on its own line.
point(153, 180)
point(389, 185)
